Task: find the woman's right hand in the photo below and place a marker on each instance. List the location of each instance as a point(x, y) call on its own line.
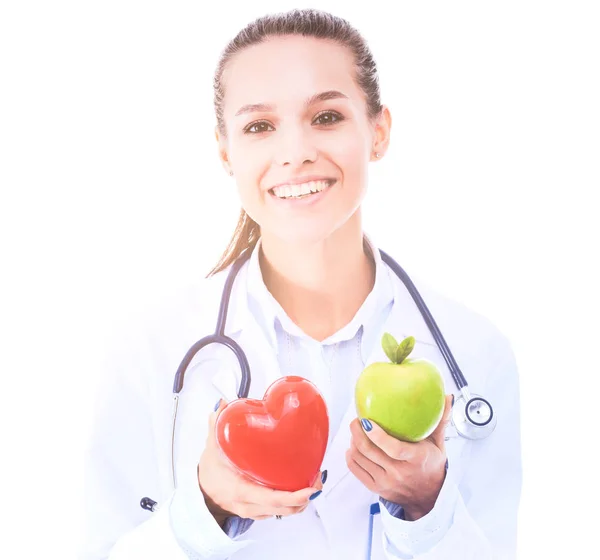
point(228, 493)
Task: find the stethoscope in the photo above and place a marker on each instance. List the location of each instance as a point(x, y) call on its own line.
point(472, 416)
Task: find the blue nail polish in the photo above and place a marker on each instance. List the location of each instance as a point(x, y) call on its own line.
point(452, 400)
point(366, 425)
point(446, 465)
point(314, 495)
point(217, 405)
point(324, 476)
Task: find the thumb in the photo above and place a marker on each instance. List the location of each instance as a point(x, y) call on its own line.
point(438, 435)
point(212, 419)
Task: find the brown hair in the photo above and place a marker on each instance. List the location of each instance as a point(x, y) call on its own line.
point(308, 23)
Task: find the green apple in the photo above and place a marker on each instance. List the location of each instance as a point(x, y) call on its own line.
point(405, 396)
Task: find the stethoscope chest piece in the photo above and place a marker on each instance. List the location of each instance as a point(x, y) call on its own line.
point(473, 418)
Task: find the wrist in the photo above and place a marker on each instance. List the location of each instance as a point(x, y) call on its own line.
point(221, 515)
point(216, 511)
point(412, 513)
point(421, 507)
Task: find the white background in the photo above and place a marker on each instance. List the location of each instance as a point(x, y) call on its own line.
point(111, 192)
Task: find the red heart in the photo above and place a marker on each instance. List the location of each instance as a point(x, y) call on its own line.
point(279, 441)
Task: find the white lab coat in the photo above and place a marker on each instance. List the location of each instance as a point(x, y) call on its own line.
point(129, 453)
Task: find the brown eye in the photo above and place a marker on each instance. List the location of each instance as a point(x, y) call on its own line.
point(328, 117)
point(257, 127)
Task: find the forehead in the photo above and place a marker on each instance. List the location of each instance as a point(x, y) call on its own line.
point(286, 71)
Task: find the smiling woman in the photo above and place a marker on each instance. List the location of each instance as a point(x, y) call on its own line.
point(305, 292)
point(319, 119)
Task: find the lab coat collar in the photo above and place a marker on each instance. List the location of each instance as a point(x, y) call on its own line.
point(242, 312)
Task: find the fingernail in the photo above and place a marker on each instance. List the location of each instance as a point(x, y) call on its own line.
point(217, 405)
point(314, 495)
point(323, 477)
point(366, 425)
point(446, 464)
point(452, 400)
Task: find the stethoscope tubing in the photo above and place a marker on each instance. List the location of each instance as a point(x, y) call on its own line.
point(219, 336)
point(455, 371)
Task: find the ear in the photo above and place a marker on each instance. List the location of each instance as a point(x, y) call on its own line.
point(382, 132)
point(222, 148)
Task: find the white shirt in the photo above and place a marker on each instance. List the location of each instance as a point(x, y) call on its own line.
point(335, 363)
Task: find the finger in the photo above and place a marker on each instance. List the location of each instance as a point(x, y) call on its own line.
point(270, 516)
point(256, 518)
point(256, 494)
point(320, 480)
point(366, 453)
point(439, 433)
point(392, 447)
point(360, 473)
point(286, 512)
point(277, 498)
point(212, 420)
point(255, 511)
point(374, 469)
point(301, 509)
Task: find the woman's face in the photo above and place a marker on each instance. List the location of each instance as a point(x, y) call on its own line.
point(297, 122)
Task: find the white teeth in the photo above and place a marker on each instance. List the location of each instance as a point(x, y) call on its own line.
point(287, 191)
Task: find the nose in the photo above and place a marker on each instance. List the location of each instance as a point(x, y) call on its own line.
point(295, 146)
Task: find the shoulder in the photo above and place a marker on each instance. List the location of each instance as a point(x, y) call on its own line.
point(474, 326)
point(196, 300)
point(156, 332)
point(471, 333)
point(479, 346)
point(190, 301)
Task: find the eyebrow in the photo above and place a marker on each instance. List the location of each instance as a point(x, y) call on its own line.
point(264, 107)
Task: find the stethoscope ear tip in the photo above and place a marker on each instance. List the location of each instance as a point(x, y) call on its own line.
point(147, 504)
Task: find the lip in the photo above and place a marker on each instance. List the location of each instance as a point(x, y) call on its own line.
point(300, 180)
point(301, 202)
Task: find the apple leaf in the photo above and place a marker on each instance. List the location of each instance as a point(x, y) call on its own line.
point(390, 346)
point(404, 349)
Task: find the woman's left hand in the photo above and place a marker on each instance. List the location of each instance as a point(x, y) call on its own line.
point(404, 473)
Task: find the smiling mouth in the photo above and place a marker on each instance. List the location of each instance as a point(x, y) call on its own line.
point(303, 190)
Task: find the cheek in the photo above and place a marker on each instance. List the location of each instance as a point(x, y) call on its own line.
point(251, 199)
point(249, 174)
point(351, 157)
point(346, 151)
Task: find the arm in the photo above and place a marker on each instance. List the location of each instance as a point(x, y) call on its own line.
point(121, 468)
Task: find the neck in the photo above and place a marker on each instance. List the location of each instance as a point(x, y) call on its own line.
point(320, 285)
